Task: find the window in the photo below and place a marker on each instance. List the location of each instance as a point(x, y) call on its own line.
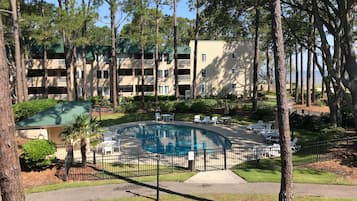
point(99, 91)
point(36, 90)
point(79, 74)
point(204, 58)
point(99, 74)
point(125, 72)
point(137, 72)
point(204, 73)
point(57, 90)
point(234, 85)
point(106, 91)
point(164, 90)
point(105, 74)
point(80, 91)
point(126, 88)
point(183, 71)
point(147, 88)
point(149, 71)
point(203, 89)
point(35, 73)
point(234, 70)
point(163, 73)
point(56, 72)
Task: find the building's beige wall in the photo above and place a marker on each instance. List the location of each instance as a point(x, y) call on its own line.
point(219, 64)
point(52, 134)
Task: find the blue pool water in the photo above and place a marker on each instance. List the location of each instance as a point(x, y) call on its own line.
point(175, 139)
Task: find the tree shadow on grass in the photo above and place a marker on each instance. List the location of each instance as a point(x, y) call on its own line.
point(168, 191)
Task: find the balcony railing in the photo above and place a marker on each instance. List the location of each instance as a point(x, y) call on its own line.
point(184, 77)
point(184, 63)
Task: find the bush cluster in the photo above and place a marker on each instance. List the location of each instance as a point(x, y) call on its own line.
point(29, 108)
point(309, 122)
point(37, 154)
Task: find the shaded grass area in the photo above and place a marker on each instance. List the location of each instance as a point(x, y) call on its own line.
point(135, 170)
point(269, 170)
point(175, 177)
point(228, 197)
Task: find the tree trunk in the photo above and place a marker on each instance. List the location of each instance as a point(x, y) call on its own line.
point(19, 69)
point(84, 151)
point(302, 76)
point(313, 93)
point(114, 91)
point(194, 93)
point(268, 69)
point(296, 73)
point(156, 53)
point(84, 74)
point(286, 185)
point(177, 93)
point(142, 76)
point(22, 57)
point(323, 79)
point(256, 61)
point(308, 79)
point(10, 182)
point(68, 161)
point(74, 69)
point(290, 73)
point(69, 70)
point(45, 77)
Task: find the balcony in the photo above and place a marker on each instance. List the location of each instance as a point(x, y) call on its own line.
point(185, 78)
point(182, 63)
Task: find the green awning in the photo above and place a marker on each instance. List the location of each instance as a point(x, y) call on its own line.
point(62, 114)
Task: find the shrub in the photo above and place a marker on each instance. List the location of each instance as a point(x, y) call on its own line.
point(201, 106)
point(182, 107)
point(29, 108)
point(38, 154)
point(128, 106)
point(167, 106)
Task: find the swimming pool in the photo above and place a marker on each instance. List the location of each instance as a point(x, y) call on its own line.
point(174, 139)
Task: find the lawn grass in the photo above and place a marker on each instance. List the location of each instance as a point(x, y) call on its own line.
point(268, 170)
point(228, 197)
point(175, 177)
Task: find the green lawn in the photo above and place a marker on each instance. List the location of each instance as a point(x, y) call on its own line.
point(268, 170)
point(228, 197)
point(176, 177)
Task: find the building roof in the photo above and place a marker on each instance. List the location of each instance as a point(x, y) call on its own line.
point(62, 114)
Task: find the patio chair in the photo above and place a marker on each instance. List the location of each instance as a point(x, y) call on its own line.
point(197, 119)
point(214, 120)
point(206, 120)
point(157, 116)
point(172, 117)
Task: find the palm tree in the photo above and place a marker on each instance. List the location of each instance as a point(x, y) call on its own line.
point(83, 129)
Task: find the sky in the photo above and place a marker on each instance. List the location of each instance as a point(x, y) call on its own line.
point(183, 10)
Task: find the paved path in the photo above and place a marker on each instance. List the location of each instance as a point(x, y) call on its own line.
point(205, 183)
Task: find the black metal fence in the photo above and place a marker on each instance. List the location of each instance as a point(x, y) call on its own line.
point(118, 165)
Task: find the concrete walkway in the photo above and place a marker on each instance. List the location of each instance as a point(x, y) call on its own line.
point(202, 183)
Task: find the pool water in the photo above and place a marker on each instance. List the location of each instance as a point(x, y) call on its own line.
point(175, 139)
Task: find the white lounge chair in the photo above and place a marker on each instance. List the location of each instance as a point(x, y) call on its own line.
point(157, 116)
point(206, 120)
point(294, 147)
point(214, 120)
point(197, 119)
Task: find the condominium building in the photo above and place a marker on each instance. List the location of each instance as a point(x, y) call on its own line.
point(222, 68)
